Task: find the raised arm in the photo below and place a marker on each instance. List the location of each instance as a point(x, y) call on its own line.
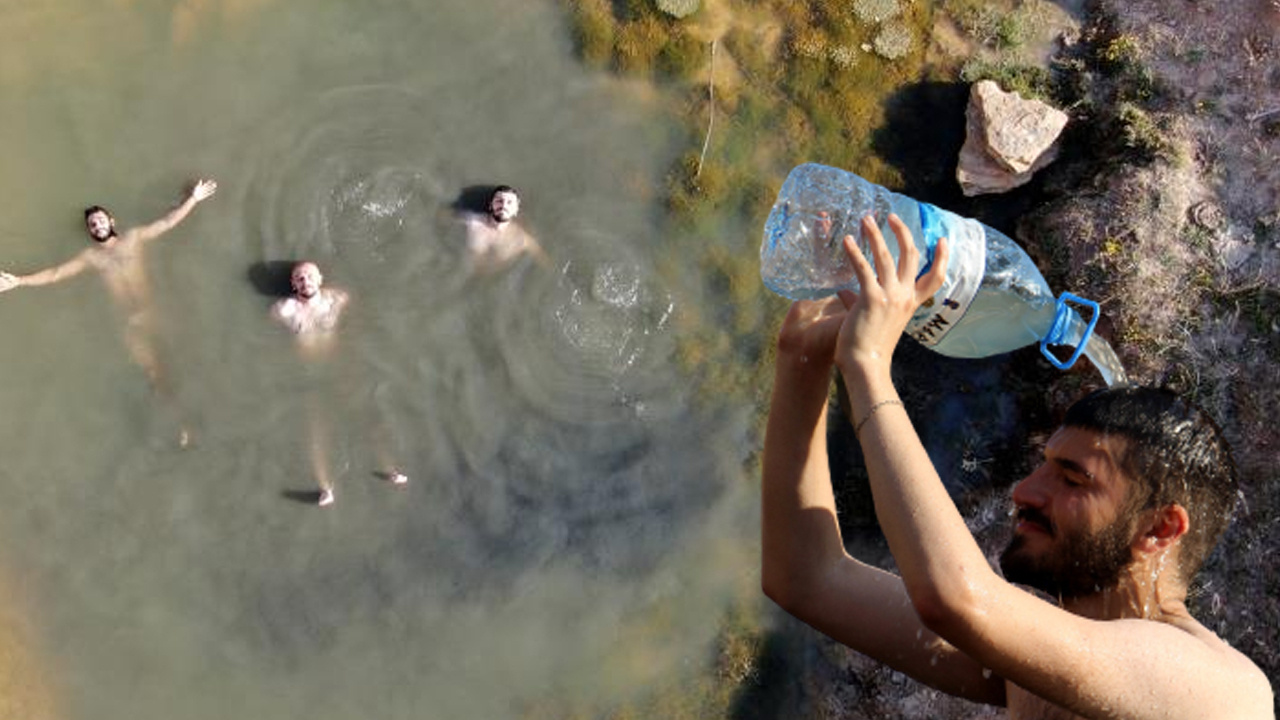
point(48, 276)
point(202, 190)
point(805, 568)
point(1099, 669)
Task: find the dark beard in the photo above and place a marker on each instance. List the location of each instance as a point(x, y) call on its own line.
point(1079, 566)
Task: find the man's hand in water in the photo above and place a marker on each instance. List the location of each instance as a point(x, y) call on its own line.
point(8, 281)
point(203, 189)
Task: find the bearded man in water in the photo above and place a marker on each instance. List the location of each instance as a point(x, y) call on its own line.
point(118, 259)
point(494, 239)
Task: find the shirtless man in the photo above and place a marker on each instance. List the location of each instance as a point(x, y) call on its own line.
point(1134, 492)
point(494, 240)
point(311, 313)
point(118, 258)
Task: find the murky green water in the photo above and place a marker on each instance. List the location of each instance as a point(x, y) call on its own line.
point(571, 524)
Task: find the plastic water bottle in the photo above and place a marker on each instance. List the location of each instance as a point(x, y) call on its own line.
point(993, 300)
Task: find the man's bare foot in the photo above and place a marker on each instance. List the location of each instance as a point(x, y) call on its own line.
point(326, 497)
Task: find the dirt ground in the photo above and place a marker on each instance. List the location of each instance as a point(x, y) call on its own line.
point(1223, 61)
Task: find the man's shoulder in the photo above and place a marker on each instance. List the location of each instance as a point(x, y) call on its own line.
point(471, 217)
point(285, 307)
point(1250, 685)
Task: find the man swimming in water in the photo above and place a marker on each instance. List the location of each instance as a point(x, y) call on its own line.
point(1135, 490)
point(118, 258)
point(311, 313)
point(494, 239)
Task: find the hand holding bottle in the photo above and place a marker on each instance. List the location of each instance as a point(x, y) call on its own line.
point(810, 331)
point(889, 295)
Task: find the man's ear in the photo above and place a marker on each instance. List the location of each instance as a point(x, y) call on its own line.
point(1162, 527)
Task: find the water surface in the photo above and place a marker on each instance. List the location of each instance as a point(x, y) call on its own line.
point(572, 527)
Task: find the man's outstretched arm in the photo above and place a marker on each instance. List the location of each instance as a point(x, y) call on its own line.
point(202, 190)
point(1098, 669)
point(48, 276)
point(805, 568)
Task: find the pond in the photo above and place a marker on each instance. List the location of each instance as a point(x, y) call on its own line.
point(574, 525)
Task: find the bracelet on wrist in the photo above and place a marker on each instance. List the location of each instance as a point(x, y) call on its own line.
point(857, 429)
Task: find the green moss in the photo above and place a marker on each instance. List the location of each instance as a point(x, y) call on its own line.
point(693, 192)
point(629, 10)
point(638, 43)
point(1010, 32)
point(746, 48)
point(593, 30)
point(1029, 81)
point(1121, 52)
point(682, 55)
point(1140, 133)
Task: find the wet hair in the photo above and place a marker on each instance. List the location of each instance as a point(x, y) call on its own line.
point(1175, 453)
point(99, 209)
point(502, 189)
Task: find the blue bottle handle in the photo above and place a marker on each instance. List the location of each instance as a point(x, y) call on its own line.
point(1058, 331)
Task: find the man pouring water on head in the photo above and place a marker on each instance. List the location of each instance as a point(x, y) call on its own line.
point(1134, 491)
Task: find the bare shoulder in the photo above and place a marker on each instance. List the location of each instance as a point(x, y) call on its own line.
point(1209, 672)
point(1252, 681)
point(284, 307)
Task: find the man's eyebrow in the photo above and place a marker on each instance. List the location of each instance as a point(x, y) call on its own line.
point(1071, 466)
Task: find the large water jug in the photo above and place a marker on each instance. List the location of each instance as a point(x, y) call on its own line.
point(993, 300)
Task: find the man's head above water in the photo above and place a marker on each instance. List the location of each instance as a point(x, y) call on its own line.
point(1132, 472)
point(306, 280)
point(100, 223)
point(504, 204)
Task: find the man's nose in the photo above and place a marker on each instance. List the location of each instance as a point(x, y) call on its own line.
point(1030, 490)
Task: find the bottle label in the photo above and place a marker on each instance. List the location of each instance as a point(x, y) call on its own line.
point(968, 260)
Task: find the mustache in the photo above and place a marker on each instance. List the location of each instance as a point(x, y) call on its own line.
point(1034, 516)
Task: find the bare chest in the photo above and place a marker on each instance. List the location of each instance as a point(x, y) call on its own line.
point(122, 269)
point(318, 316)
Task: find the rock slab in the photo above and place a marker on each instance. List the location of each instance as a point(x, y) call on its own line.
point(1007, 139)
